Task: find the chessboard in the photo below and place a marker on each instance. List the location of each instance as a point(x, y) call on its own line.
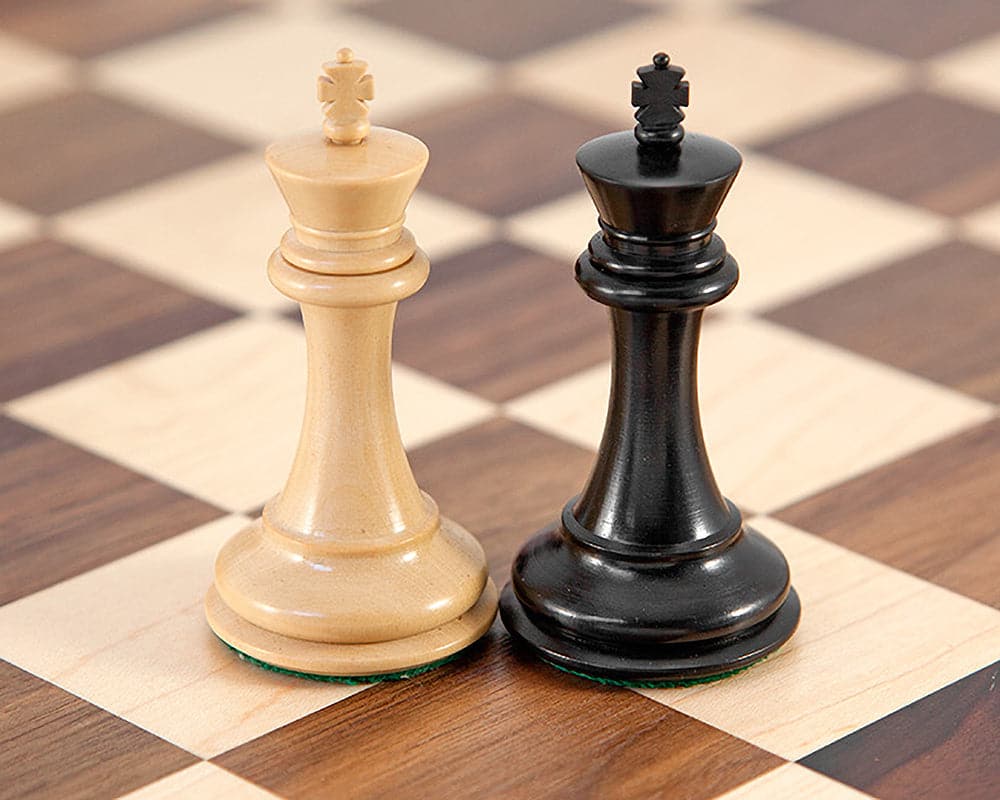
point(152, 385)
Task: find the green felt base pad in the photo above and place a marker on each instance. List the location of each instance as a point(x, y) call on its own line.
point(349, 680)
point(668, 684)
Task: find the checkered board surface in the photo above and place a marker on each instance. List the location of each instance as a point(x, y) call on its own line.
point(152, 385)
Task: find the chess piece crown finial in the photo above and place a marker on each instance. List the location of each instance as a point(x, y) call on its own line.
point(343, 91)
point(658, 95)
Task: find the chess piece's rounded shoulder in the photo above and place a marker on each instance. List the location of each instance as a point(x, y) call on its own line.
point(384, 154)
point(696, 161)
point(360, 189)
point(656, 191)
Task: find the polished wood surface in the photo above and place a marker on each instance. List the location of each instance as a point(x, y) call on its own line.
point(469, 137)
point(884, 316)
point(154, 382)
point(519, 341)
point(351, 570)
point(897, 513)
point(518, 714)
point(64, 510)
point(891, 24)
point(116, 146)
point(117, 313)
point(53, 744)
point(952, 179)
point(474, 487)
point(901, 757)
point(97, 26)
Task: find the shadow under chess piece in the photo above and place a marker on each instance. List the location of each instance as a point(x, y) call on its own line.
point(650, 576)
point(351, 572)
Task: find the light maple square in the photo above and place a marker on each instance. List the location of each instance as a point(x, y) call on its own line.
point(560, 229)
point(791, 231)
point(750, 77)
point(28, 72)
point(213, 229)
point(16, 224)
point(971, 72)
point(871, 640)
point(217, 414)
point(443, 228)
point(209, 230)
point(203, 781)
point(784, 415)
point(984, 226)
point(711, 7)
point(793, 781)
point(131, 637)
point(254, 76)
point(312, 9)
point(794, 231)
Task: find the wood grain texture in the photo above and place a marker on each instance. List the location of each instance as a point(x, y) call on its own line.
point(171, 412)
point(934, 314)
point(103, 313)
point(919, 147)
point(53, 744)
point(872, 639)
point(511, 340)
point(944, 745)
point(792, 781)
point(826, 431)
point(205, 781)
point(206, 414)
point(64, 511)
point(473, 140)
point(130, 637)
point(97, 26)
point(351, 570)
point(79, 146)
point(500, 29)
point(915, 30)
point(930, 513)
point(503, 481)
point(494, 725)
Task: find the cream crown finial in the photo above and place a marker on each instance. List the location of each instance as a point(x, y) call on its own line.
point(343, 91)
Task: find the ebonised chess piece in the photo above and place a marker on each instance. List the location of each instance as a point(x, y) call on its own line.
point(650, 574)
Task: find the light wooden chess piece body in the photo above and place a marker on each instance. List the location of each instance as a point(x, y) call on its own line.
point(351, 570)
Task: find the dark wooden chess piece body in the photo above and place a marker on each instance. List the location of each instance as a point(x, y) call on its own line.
point(650, 574)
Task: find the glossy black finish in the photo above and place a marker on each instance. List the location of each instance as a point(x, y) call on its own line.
point(680, 662)
point(657, 192)
point(650, 573)
point(659, 94)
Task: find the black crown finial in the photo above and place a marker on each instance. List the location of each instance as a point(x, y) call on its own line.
point(659, 94)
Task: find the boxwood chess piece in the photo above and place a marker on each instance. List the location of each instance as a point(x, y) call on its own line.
point(650, 575)
point(350, 572)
